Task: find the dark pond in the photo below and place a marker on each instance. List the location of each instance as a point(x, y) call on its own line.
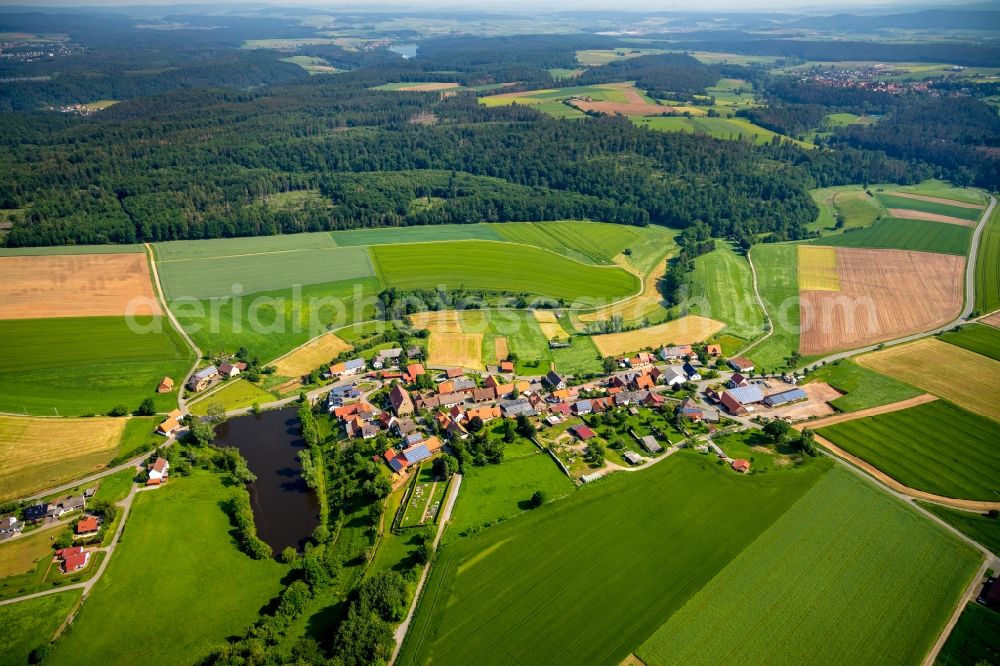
point(284, 508)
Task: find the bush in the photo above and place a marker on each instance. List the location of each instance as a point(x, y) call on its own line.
point(537, 499)
point(40, 653)
point(119, 410)
point(146, 408)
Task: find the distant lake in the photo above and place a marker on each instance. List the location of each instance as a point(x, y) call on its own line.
point(284, 508)
point(405, 50)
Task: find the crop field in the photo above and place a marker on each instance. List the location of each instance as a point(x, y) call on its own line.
point(904, 214)
point(955, 374)
point(495, 493)
point(310, 356)
point(878, 295)
point(463, 350)
point(28, 624)
point(818, 268)
point(214, 248)
point(550, 326)
point(520, 330)
point(235, 394)
point(935, 206)
point(916, 235)
point(596, 57)
point(988, 266)
point(863, 387)
point(421, 234)
point(825, 584)
point(196, 596)
point(225, 276)
point(980, 527)
point(591, 242)
point(273, 323)
point(82, 285)
point(777, 280)
point(535, 566)
point(647, 304)
point(692, 328)
point(21, 555)
point(50, 250)
point(609, 98)
point(981, 339)
point(719, 128)
point(974, 640)
point(721, 288)
point(48, 361)
point(38, 453)
point(500, 267)
point(939, 189)
point(438, 321)
point(935, 447)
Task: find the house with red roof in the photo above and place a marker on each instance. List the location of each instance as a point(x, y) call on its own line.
point(453, 373)
point(583, 432)
point(400, 400)
point(740, 465)
point(87, 527)
point(73, 559)
point(507, 367)
point(413, 371)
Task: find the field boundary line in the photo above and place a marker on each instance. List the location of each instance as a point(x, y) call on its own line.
point(897, 487)
point(760, 302)
point(967, 595)
point(870, 411)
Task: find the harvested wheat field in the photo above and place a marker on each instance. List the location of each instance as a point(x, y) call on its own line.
point(884, 294)
point(551, 328)
point(76, 285)
point(685, 330)
point(993, 319)
point(637, 307)
point(441, 321)
point(43, 452)
point(311, 355)
point(633, 107)
point(963, 377)
point(940, 200)
point(818, 268)
point(463, 350)
point(906, 214)
point(500, 348)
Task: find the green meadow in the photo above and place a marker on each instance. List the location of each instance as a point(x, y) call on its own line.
point(988, 266)
point(588, 578)
point(30, 624)
point(590, 242)
point(778, 282)
point(919, 235)
point(936, 447)
point(863, 388)
point(421, 234)
point(722, 289)
point(848, 575)
point(499, 267)
point(176, 566)
point(979, 338)
point(979, 527)
point(85, 365)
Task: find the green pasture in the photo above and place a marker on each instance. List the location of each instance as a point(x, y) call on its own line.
point(890, 201)
point(597, 57)
point(590, 577)
point(936, 447)
point(235, 394)
point(30, 624)
point(581, 357)
point(85, 365)
point(848, 575)
point(940, 188)
point(591, 242)
point(495, 266)
point(979, 527)
point(494, 493)
point(863, 388)
point(918, 235)
point(979, 338)
point(974, 640)
point(722, 289)
point(252, 273)
point(848, 203)
point(720, 128)
point(214, 248)
point(178, 560)
point(115, 487)
point(778, 282)
point(421, 234)
point(988, 266)
point(270, 324)
point(524, 337)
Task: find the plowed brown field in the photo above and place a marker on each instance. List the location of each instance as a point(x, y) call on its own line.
point(907, 214)
point(993, 320)
point(76, 285)
point(884, 294)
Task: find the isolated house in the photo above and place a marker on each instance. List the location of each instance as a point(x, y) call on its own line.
point(166, 386)
point(159, 469)
point(169, 426)
point(742, 466)
point(73, 559)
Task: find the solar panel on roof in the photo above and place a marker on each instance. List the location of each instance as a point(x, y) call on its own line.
point(747, 394)
point(786, 397)
point(416, 454)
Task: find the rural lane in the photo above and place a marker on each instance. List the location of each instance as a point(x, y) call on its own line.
point(404, 626)
point(970, 293)
point(126, 507)
point(760, 302)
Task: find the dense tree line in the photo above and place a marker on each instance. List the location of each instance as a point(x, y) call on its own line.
point(959, 135)
point(788, 119)
point(665, 76)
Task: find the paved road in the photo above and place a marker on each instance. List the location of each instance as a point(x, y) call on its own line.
point(87, 585)
point(445, 516)
point(970, 301)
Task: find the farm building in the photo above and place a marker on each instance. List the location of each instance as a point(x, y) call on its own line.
point(507, 367)
point(740, 364)
point(514, 408)
point(230, 370)
point(347, 368)
point(641, 361)
point(740, 465)
point(747, 395)
point(166, 385)
point(633, 457)
point(786, 397)
point(400, 400)
point(583, 432)
point(650, 444)
point(386, 357)
point(170, 425)
point(675, 352)
point(159, 469)
point(453, 373)
point(200, 380)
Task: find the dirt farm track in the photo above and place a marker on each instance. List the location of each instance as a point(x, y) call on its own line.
point(87, 285)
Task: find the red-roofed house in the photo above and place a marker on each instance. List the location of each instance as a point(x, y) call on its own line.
point(87, 526)
point(742, 466)
point(583, 432)
point(159, 469)
point(400, 401)
point(740, 364)
point(73, 559)
point(738, 380)
point(453, 373)
point(507, 366)
point(413, 371)
point(166, 386)
point(643, 381)
point(713, 350)
point(732, 405)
